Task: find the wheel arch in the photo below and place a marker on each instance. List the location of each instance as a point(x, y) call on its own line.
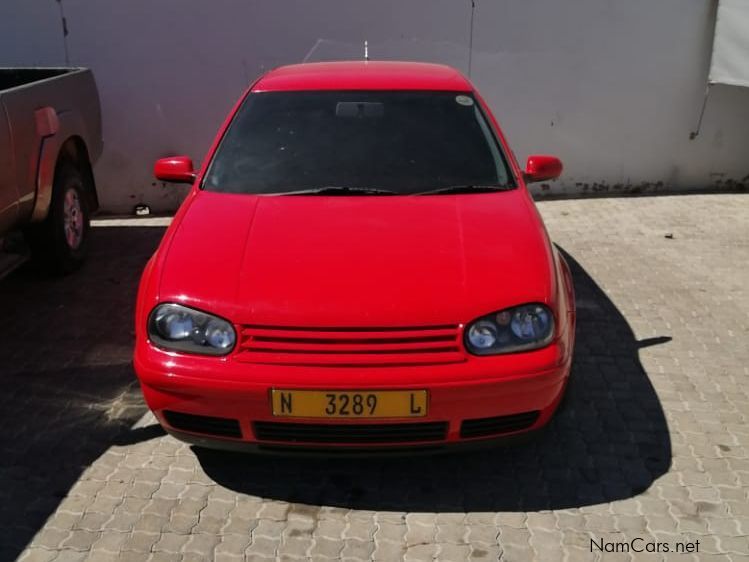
point(53, 155)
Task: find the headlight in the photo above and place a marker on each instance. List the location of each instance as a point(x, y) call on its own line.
point(521, 328)
point(177, 327)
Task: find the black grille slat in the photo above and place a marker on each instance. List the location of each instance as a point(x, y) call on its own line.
point(222, 427)
point(342, 340)
point(350, 433)
point(483, 427)
point(445, 349)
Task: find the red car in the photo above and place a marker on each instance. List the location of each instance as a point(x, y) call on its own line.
point(359, 264)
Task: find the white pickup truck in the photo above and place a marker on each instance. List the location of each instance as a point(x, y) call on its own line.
point(50, 136)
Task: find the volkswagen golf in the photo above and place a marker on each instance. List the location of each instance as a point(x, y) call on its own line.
point(359, 264)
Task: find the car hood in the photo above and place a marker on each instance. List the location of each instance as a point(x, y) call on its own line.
point(354, 261)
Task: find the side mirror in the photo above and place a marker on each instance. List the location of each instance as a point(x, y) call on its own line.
point(540, 168)
point(175, 169)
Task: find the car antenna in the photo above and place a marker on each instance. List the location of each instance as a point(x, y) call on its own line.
point(366, 50)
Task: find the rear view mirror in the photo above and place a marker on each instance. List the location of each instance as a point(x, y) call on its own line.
point(175, 169)
point(541, 167)
point(359, 109)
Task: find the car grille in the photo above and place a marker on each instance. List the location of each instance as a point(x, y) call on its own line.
point(350, 346)
point(350, 433)
point(483, 427)
point(222, 427)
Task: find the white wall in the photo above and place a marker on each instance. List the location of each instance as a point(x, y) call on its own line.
point(613, 87)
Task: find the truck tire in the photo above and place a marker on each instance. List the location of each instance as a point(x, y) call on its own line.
point(60, 243)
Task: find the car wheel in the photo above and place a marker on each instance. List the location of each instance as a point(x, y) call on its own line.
point(60, 243)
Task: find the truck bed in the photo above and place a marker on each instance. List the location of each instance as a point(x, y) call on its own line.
point(17, 77)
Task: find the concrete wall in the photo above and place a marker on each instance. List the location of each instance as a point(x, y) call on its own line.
point(613, 87)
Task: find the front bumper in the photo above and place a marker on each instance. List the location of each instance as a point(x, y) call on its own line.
point(224, 403)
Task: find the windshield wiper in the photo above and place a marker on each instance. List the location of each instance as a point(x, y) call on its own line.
point(338, 190)
point(453, 189)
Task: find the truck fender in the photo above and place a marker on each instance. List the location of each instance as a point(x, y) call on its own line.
point(53, 130)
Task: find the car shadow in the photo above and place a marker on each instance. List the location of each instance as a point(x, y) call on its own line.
point(609, 441)
point(69, 396)
point(68, 389)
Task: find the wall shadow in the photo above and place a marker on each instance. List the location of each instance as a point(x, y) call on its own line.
point(610, 441)
point(68, 389)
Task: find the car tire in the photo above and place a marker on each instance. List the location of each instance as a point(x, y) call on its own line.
point(60, 243)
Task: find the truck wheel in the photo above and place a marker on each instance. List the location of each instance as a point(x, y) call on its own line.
point(61, 241)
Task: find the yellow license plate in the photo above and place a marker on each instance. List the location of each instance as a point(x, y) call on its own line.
point(349, 404)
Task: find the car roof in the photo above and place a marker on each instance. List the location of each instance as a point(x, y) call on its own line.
point(363, 75)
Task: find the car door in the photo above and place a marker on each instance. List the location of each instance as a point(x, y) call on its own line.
point(8, 187)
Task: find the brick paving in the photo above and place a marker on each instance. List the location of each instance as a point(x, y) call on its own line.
point(652, 444)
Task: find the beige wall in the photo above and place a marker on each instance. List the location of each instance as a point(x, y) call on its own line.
point(614, 88)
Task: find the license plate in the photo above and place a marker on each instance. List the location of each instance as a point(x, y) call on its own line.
point(349, 404)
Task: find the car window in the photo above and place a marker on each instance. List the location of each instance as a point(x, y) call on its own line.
point(405, 142)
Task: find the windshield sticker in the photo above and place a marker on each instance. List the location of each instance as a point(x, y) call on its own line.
point(464, 100)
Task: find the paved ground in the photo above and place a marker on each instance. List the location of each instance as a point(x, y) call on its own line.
point(652, 447)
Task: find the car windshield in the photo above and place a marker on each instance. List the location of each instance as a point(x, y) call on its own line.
point(358, 143)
